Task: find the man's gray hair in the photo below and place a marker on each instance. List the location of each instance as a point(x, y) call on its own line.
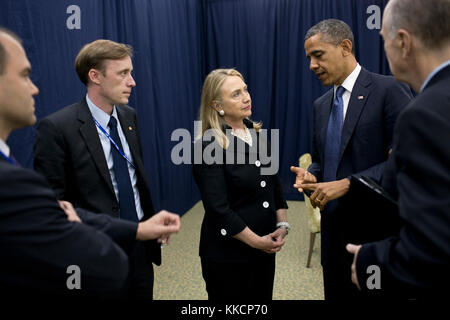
point(332, 31)
point(429, 20)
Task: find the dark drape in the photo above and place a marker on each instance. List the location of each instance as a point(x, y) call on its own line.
point(176, 43)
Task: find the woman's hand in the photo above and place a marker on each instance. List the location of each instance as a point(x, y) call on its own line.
point(271, 243)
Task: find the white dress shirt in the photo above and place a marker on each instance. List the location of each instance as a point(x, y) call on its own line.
point(348, 85)
point(4, 148)
point(103, 118)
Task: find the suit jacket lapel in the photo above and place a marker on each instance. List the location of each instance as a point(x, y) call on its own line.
point(129, 128)
point(89, 133)
point(325, 116)
point(358, 99)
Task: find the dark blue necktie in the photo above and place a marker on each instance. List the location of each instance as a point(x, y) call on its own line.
point(333, 141)
point(120, 167)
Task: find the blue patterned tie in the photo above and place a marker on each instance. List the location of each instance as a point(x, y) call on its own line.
point(120, 167)
point(333, 141)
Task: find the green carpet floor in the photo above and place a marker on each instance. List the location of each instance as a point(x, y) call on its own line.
point(180, 278)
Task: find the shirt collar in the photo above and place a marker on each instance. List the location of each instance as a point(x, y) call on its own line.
point(350, 81)
point(433, 73)
point(248, 123)
point(101, 116)
point(4, 147)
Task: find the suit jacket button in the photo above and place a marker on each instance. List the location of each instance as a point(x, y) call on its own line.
point(265, 204)
point(263, 184)
point(257, 163)
point(223, 232)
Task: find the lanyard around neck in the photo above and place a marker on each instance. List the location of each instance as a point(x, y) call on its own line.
point(7, 158)
point(113, 142)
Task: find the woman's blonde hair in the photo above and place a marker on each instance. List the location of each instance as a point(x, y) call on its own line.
point(212, 91)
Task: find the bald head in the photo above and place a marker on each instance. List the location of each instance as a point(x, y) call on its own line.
point(427, 20)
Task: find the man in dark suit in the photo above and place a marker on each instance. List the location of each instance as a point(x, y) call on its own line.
point(416, 262)
point(41, 239)
point(352, 133)
point(91, 155)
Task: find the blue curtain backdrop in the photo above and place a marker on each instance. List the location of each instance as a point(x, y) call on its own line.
point(177, 43)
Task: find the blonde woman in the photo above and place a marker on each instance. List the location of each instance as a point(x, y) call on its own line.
point(245, 220)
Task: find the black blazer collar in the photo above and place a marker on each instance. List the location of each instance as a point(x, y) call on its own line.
point(248, 123)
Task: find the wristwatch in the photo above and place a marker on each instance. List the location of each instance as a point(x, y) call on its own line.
point(285, 225)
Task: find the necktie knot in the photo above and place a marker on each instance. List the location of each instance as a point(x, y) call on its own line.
point(112, 122)
point(340, 91)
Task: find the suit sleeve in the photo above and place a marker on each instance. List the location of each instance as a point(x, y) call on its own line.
point(50, 141)
point(212, 184)
point(397, 98)
point(121, 231)
point(419, 256)
point(39, 243)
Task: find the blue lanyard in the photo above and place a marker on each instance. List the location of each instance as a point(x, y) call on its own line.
point(7, 158)
point(113, 142)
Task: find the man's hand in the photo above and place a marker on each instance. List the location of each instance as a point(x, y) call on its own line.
point(69, 211)
point(354, 249)
point(160, 227)
point(302, 177)
point(326, 191)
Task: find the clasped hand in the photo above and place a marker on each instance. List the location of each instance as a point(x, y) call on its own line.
point(273, 242)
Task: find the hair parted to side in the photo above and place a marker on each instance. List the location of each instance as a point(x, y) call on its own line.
point(211, 92)
point(332, 31)
point(3, 54)
point(428, 20)
point(93, 56)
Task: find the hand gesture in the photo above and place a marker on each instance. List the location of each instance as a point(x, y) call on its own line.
point(160, 227)
point(326, 191)
point(302, 177)
point(70, 212)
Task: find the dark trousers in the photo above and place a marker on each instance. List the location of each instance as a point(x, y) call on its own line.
point(244, 281)
point(141, 277)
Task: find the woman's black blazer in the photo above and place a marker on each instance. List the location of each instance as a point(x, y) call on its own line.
point(236, 195)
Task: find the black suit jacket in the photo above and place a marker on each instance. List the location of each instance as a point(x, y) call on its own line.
point(416, 262)
point(374, 105)
point(233, 197)
point(68, 152)
point(38, 243)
